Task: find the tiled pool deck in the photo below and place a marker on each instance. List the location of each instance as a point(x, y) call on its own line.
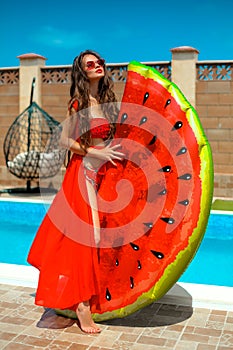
point(160, 326)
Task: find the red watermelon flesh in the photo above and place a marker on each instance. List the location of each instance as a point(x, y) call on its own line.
point(154, 205)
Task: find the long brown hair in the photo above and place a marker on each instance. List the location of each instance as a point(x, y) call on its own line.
point(79, 91)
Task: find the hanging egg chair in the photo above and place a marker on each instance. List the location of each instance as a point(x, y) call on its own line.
point(31, 145)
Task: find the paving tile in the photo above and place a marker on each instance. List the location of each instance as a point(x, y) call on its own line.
point(8, 305)
point(33, 341)
point(60, 345)
point(17, 346)
point(16, 320)
point(228, 326)
point(213, 340)
point(198, 310)
point(177, 328)
point(21, 311)
point(153, 331)
point(97, 348)
point(122, 345)
point(168, 334)
point(206, 347)
point(131, 330)
point(151, 340)
point(6, 287)
point(77, 346)
point(137, 346)
point(226, 339)
point(3, 343)
point(7, 327)
point(128, 337)
point(185, 345)
point(77, 338)
point(218, 312)
point(170, 343)
point(208, 331)
point(160, 326)
point(7, 336)
point(195, 338)
point(217, 318)
point(229, 319)
point(214, 325)
point(106, 338)
point(198, 320)
point(40, 332)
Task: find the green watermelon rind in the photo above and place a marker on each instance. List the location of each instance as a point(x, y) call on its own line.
point(184, 257)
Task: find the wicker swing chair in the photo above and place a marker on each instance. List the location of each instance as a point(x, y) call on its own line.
point(31, 145)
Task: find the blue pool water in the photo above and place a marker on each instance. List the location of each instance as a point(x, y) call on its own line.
point(213, 263)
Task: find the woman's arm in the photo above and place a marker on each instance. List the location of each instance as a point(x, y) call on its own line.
point(69, 134)
point(68, 141)
point(107, 153)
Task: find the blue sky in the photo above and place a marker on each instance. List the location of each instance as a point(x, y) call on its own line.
point(120, 30)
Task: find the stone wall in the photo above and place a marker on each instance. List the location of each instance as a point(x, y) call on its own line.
point(214, 104)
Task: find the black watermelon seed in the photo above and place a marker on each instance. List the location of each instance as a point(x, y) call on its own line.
point(143, 120)
point(183, 150)
point(134, 246)
point(108, 295)
point(117, 262)
point(167, 103)
point(148, 224)
point(169, 221)
point(158, 255)
point(131, 282)
point(139, 265)
point(154, 138)
point(124, 117)
point(177, 125)
point(166, 169)
point(163, 192)
point(145, 97)
point(185, 202)
point(185, 177)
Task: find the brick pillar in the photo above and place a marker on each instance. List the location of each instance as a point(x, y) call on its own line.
point(183, 63)
point(30, 64)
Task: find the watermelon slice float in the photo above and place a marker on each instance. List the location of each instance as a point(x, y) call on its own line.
point(154, 206)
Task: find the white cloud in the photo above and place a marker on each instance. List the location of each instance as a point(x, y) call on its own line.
point(60, 38)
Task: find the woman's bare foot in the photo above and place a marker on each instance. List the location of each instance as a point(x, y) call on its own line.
point(87, 324)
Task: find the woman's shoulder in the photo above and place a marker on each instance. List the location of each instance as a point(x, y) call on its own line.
point(73, 104)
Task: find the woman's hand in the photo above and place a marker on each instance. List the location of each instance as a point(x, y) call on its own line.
point(108, 153)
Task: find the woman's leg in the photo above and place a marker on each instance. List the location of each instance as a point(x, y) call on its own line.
point(83, 310)
point(87, 324)
point(91, 191)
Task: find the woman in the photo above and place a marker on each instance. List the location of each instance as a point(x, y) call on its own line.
point(66, 245)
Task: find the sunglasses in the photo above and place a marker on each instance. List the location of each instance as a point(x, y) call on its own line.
point(91, 64)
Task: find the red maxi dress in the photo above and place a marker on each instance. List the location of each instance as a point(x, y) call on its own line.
point(64, 250)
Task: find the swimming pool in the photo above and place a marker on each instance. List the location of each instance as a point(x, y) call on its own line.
point(212, 265)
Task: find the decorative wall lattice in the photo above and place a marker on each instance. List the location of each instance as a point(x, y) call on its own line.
point(118, 73)
point(215, 71)
point(165, 69)
point(219, 71)
point(9, 76)
point(61, 75)
point(56, 75)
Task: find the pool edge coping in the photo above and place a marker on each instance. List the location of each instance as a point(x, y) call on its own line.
point(182, 293)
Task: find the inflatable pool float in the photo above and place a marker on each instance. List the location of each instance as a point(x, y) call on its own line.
point(148, 241)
